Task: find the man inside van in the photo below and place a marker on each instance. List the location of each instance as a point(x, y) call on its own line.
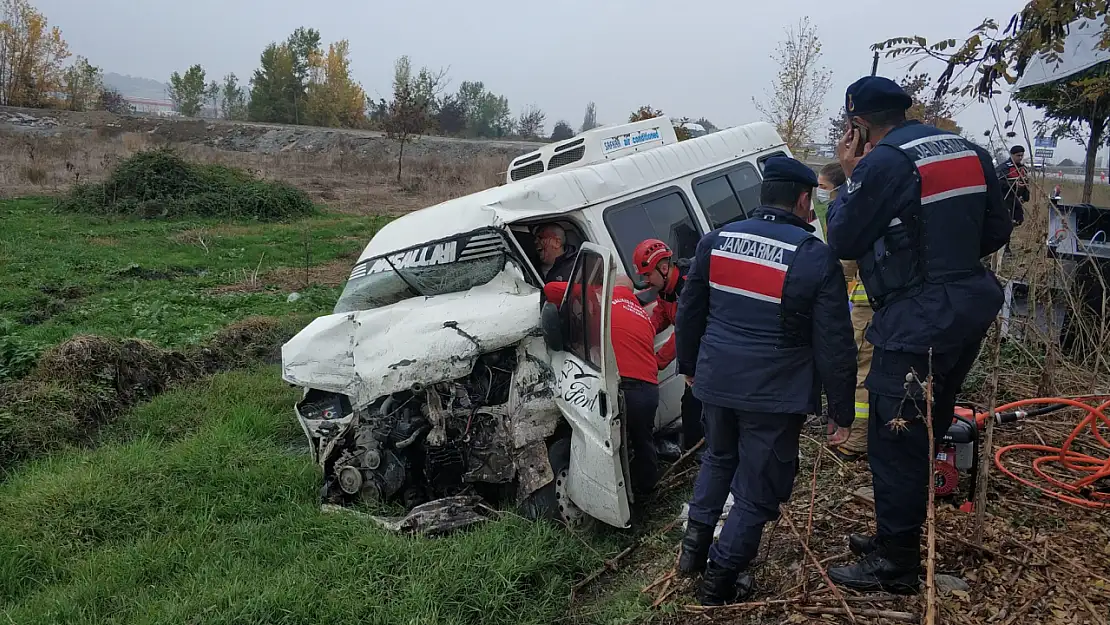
point(556, 257)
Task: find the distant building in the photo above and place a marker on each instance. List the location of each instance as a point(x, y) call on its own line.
point(152, 107)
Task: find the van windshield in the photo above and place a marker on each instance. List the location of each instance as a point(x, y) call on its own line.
point(449, 266)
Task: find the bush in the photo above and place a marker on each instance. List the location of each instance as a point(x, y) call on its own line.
point(159, 184)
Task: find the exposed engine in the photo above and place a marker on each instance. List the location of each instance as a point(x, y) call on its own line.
point(424, 443)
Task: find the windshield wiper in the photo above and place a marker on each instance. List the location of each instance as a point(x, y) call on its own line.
point(400, 275)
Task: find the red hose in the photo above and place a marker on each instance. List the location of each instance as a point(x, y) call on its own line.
point(1088, 469)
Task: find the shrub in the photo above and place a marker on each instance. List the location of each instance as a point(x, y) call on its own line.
point(159, 184)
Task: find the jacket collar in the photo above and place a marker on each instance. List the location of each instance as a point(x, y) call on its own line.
point(771, 213)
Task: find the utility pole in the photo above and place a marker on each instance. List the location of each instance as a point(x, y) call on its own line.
point(875, 63)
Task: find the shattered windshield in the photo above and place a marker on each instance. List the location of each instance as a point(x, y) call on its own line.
point(450, 266)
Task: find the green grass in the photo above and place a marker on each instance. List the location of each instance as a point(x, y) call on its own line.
point(63, 274)
point(203, 510)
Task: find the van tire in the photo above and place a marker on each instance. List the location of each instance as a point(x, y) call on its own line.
point(551, 502)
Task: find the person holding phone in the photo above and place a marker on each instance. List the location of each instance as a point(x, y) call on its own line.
point(919, 210)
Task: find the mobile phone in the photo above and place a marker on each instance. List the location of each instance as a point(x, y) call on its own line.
point(864, 136)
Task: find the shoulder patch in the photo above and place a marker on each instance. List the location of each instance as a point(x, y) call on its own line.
point(853, 186)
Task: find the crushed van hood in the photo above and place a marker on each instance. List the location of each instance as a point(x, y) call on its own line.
point(424, 340)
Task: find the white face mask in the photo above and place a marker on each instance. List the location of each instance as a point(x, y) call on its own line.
point(823, 196)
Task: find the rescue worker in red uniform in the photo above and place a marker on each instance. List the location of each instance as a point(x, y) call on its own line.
point(633, 336)
point(762, 325)
point(919, 210)
point(655, 261)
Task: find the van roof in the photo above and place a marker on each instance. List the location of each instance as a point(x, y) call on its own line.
point(559, 193)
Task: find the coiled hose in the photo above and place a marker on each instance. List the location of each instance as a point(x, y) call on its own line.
point(1088, 470)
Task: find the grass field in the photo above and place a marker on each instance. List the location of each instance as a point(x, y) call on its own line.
point(199, 511)
point(201, 505)
point(173, 283)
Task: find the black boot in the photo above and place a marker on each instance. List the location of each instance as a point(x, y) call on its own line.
point(721, 585)
point(894, 566)
point(861, 544)
point(695, 547)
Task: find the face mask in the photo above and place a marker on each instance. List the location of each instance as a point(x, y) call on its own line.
point(823, 196)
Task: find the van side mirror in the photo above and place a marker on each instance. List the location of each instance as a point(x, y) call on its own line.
point(551, 323)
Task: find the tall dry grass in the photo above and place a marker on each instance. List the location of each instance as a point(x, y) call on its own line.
point(340, 177)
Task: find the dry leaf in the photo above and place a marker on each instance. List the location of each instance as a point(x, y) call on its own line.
point(961, 594)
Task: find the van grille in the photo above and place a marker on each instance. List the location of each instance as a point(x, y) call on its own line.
point(530, 169)
point(566, 158)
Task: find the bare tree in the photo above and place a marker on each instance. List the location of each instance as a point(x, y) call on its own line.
point(410, 112)
point(530, 123)
point(589, 120)
point(794, 103)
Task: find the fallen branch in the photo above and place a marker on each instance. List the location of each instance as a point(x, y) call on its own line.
point(904, 617)
point(809, 525)
point(683, 458)
point(751, 605)
point(825, 448)
point(836, 591)
point(659, 580)
point(610, 565)
point(992, 552)
point(986, 453)
point(931, 509)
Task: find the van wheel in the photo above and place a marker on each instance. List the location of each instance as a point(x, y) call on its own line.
point(552, 501)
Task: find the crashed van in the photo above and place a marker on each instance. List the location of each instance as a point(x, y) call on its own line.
point(440, 374)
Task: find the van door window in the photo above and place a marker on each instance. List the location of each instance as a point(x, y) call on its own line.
point(718, 200)
point(745, 182)
point(582, 308)
point(666, 217)
point(729, 195)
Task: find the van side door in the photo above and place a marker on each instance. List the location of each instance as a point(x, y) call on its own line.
point(587, 386)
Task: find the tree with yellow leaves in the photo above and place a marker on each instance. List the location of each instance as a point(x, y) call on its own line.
point(32, 55)
point(334, 99)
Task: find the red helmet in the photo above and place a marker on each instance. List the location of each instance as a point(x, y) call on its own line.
point(647, 255)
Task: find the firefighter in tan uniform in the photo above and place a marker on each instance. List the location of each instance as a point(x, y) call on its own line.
point(831, 177)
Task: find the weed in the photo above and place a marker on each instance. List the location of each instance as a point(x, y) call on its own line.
point(34, 175)
point(215, 521)
point(160, 184)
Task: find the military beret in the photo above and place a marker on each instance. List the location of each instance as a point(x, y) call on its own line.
point(785, 169)
point(872, 94)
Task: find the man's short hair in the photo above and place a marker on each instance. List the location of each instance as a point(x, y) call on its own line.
point(834, 173)
point(782, 194)
point(554, 230)
point(884, 119)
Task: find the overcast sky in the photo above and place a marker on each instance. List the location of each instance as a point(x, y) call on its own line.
point(694, 57)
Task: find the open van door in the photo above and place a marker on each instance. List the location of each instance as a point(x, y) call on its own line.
point(587, 387)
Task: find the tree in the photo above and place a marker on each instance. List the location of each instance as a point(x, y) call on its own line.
point(234, 99)
point(644, 112)
point(1067, 162)
point(929, 107)
point(1076, 106)
point(794, 103)
point(212, 94)
point(32, 56)
point(187, 92)
point(589, 120)
point(83, 84)
point(113, 102)
point(562, 131)
point(487, 114)
point(305, 55)
point(411, 108)
point(837, 127)
point(334, 99)
point(530, 123)
point(451, 115)
point(708, 125)
point(273, 86)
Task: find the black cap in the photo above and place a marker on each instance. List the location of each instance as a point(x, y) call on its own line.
point(786, 169)
point(872, 94)
point(1017, 149)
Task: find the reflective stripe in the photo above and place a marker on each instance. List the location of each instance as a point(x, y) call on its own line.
point(859, 294)
point(862, 410)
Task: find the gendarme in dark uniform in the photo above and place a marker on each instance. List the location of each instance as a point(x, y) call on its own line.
point(762, 324)
point(918, 211)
